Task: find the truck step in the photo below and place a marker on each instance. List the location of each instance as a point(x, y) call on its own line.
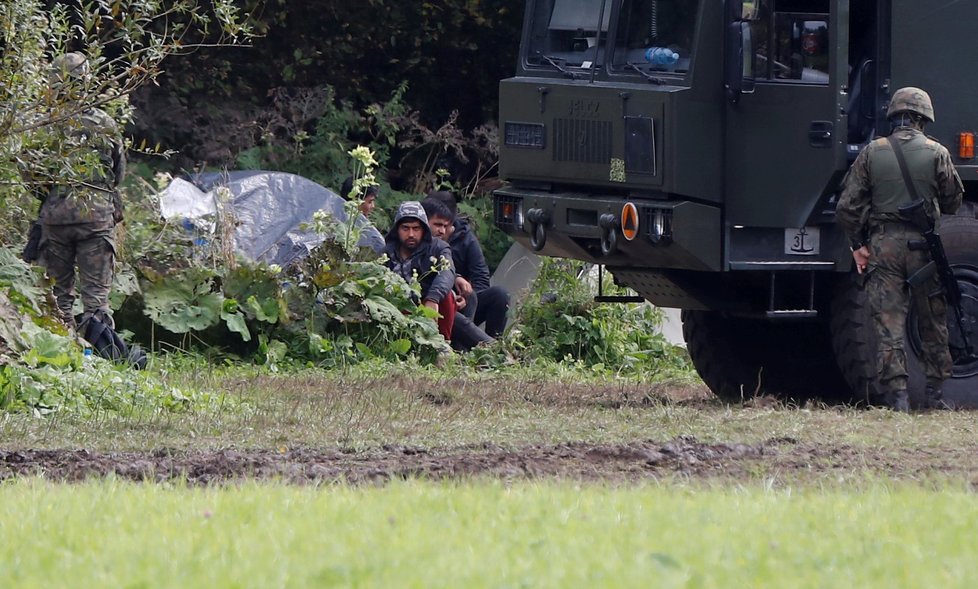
point(618, 299)
point(792, 314)
point(782, 265)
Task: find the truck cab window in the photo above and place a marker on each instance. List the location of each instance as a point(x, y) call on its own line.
point(564, 33)
point(792, 41)
point(655, 35)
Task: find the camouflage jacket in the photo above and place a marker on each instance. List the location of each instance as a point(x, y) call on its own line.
point(94, 198)
point(875, 182)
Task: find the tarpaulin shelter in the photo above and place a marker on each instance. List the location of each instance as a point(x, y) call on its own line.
point(269, 209)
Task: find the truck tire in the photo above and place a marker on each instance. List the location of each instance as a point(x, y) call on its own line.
point(722, 361)
point(854, 340)
point(739, 358)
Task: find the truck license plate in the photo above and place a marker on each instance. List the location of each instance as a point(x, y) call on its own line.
point(803, 241)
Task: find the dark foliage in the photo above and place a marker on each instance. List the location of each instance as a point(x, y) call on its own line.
point(451, 54)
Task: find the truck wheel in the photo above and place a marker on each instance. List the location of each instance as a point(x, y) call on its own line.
point(722, 361)
point(854, 340)
point(739, 358)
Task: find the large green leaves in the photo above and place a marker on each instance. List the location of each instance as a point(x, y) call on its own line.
point(261, 290)
point(236, 323)
point(183, 302)
point(20, 281)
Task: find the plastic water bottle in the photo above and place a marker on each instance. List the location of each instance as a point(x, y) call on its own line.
point(87, 354)
point(661, 56)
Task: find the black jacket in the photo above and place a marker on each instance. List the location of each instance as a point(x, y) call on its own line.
point(434, 285)
point(470, 262)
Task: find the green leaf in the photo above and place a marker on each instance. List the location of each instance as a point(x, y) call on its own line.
point(181, 307)
point(124, 284)
point(236, 323)
point(266, 310)
point(400, 346)
point(50, 349)
point(383, 311)
point(318, 345)
point(276, 352)
point(20, 280)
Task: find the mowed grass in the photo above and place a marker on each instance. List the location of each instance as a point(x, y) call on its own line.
point(411, 406)
point(850, 498)
point(484, 534)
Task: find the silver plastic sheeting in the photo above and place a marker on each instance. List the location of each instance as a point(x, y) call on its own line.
point(270, 209)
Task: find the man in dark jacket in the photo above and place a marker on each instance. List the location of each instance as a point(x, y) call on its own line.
point(413, 250)
point(484, 303)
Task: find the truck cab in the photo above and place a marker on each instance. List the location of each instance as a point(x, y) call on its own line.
point(696, 149)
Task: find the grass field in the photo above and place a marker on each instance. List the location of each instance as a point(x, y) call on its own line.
point(553, 534)
point(417, 478)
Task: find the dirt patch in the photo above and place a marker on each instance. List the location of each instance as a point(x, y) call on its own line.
point(775, 460)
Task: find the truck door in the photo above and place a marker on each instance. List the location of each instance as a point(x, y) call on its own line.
point(785, 142)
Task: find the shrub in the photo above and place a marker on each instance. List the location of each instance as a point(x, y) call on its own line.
point(560, 321)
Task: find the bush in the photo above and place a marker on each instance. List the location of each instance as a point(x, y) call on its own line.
point(560, 321)
point(44, 371)
point(338, 306)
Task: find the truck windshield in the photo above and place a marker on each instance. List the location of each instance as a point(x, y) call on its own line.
point(564, 33)
point(655, 35)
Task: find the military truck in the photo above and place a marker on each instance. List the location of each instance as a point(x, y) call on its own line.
point(696, 149)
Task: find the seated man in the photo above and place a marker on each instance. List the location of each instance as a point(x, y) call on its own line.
point(411, 248)
point(369, 197)
point(484, 303)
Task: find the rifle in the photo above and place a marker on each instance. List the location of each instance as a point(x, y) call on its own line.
point(916, 215)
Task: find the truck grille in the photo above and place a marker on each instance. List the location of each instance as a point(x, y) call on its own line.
point(586, 142)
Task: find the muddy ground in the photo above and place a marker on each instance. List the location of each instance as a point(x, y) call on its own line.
point(776, 460)
point(834, 445)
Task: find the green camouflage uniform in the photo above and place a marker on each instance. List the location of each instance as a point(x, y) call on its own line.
point(873, 191)
point(78, 221)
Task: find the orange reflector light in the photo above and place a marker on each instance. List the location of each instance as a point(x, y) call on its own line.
point(507, 210)
point(966, 145)
point(629, 221)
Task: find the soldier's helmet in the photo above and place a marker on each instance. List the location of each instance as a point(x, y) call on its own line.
point(913, 100)
point(70, 66)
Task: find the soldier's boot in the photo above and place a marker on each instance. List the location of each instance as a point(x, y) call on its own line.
point(898, 401)
point(934, 395)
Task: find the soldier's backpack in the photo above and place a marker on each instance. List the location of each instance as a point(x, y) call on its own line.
point(107, 344)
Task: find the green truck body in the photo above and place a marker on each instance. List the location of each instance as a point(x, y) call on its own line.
point(709, 183)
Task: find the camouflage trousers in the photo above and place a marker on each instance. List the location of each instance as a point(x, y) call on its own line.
point(890, 299)
point(90, 247)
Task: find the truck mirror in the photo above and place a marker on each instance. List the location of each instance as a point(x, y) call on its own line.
point(739, 61)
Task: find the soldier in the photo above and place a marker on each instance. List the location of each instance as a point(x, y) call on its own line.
point(79, 214)
point(873, 191)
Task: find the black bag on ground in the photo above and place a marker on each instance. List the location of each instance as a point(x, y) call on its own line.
point(107, 344)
